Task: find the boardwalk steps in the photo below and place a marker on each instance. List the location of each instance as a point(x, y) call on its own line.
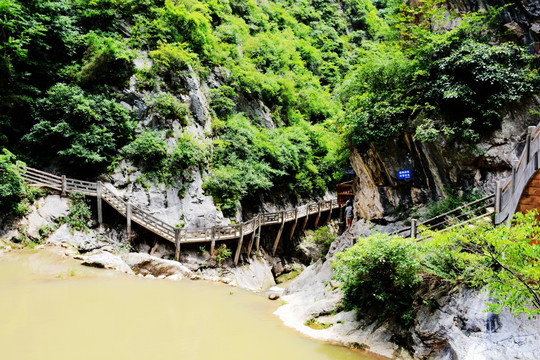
point(179, 236)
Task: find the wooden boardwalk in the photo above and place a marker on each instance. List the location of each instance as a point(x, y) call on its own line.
point(179, 236)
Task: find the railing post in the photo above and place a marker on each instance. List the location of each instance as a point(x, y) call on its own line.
point(99, 203)
point(414, 224)
point(64, 185)
point(530, 132)
point(128, 220)
point(498, 193)
point(177, 243)
point(514, 171)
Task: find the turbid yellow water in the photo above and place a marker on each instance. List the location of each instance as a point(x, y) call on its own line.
point(53, 308)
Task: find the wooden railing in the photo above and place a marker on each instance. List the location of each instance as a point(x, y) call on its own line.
point(508, 192)
point(459, 216)
point(179, 236)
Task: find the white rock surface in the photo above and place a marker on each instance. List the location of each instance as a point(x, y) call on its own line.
point(256, 275)
point(146, 264)
point(107, 260)
point(44, 212)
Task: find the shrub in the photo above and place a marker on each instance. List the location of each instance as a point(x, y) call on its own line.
point(80, 213)
point(12, 189)
point(188, 152)
point(168, 107)
point(380, 272)
point(107, 61)
point(222, 254)
point(147, 150)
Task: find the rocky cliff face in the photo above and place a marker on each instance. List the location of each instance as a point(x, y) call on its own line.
point(380, 194)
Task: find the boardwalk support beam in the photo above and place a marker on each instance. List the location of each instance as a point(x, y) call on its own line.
point(213, 241)
point(128, 220)
point(276, 242)
point(318, 214)
point(295, 222)
point(239, 247)
point(99, 203)
point(258, 241)
point(254, 231)
point(177, 244)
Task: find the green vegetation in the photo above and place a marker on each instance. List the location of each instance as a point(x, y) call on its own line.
point(320, 72)
point(151, 153)
point(299, 160)
point(449, 83)
point(80, 214)
point(323, 237)
point(222, 254)
point(12, 189)
point(385, 273)
point(84, 130)
point(380, 272)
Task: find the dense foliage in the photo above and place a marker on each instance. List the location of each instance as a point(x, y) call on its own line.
point(66, 65)
point(279, 74)
point(296, 161)
point(436, 82)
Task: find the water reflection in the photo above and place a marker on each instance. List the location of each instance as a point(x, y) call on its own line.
point(53, 308)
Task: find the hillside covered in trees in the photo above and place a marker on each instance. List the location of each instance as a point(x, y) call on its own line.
point(289, 86)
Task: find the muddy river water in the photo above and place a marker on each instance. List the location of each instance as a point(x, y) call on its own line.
point(51, 307)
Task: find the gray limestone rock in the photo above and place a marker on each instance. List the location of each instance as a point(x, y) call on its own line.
point(149, 265)
point(45, 211)
point(107, 260)
point(256, 275)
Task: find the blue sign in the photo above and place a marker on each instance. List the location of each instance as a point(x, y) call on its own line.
point(404, 174)
point(348, 171)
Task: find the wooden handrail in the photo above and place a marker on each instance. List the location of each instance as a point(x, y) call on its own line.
point(509, 191)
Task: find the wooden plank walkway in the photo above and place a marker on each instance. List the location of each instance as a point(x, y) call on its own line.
point(168, 232)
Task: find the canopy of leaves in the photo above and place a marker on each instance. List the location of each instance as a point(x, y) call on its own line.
point(435, 82)
point(79, 129)
point(295, 161)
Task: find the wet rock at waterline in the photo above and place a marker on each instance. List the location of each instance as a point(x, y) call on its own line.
point(107, 260)
point(146, 264)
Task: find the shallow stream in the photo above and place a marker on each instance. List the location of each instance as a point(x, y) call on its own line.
point(51, 307)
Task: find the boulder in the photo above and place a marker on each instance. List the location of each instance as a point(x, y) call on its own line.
point(107, 260)
point(255, 275)
point(150, 265)
point(45, 212)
